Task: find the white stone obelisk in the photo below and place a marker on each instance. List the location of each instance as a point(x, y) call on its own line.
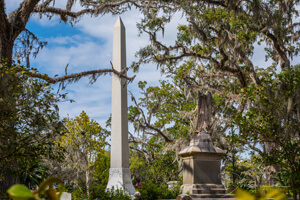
point(119, 172)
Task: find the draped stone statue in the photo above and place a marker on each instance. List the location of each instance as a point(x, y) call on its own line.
point(204, 112)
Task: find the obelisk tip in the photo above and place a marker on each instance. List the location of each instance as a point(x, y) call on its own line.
point(119, 22)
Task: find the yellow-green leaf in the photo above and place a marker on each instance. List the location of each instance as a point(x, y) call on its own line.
point(20, 192)
point(243, 195)
point(276, 194)
point(51, 193)
point(49, 181)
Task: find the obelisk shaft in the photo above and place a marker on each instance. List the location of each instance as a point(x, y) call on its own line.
point(119, 120)
point(119, 172)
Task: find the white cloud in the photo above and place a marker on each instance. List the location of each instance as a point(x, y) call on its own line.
point(64, 40)
point(93, 99)
point(91, 48)
point(82, 56)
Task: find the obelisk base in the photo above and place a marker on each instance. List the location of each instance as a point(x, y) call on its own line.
point(120, 178)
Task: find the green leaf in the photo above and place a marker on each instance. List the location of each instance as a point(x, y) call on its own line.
point(20, 192)
point(49, 181)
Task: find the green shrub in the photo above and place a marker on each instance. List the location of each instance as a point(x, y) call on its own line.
point(78, 194)
point(98, 193)
point(150, 191)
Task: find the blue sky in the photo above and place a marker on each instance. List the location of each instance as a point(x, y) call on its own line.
point(88, 46)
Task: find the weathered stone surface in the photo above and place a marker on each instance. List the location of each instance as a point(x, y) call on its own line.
point(66, 196)
point(119, 173)
point(173, 184)
point(119, 178)
point(201, 143)
point(201, 168)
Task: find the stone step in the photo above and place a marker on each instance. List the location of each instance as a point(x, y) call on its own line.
point(208, 191)
point(204, 196)
point(200, 186)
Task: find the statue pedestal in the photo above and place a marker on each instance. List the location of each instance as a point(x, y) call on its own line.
point(201, 169)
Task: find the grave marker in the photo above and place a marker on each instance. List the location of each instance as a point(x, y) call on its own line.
point(119, 172)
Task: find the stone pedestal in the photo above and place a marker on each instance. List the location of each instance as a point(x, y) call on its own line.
point(173, 184)
point(66, 196)
point(119, 178)
point(201, 168)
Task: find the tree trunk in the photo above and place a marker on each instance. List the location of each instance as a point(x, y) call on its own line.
point(7, 179)
point(7, 168)
point(233, 169)
point(272, 170)
point(87, 181)
point(6, 45)
point(8, 165)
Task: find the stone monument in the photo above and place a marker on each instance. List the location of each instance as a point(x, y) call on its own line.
point(66, 196)
point(119, 172)
point(201, 160)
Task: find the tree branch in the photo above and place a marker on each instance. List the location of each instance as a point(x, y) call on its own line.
point(237, 70)
point(248, 62)
point(20, 16)
point(141, 142)
point(3, 19)
point(142, 152)
point(254, 148)
point(95, 10)
point(147, 125)
point(76, 76)
point(26, 9)
point(136, 104)
point(285, 62)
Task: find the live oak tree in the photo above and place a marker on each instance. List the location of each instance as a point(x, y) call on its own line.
point(213, 52)
point(272, 116)
point(29, 122)
point(84, 142)
point(165, 117)
point(156, 117)
point(13, 35)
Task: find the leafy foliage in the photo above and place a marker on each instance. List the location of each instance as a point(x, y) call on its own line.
point(29, 121)
point(84, 142)
point(21, 192)
point(158, 117)
point(150, 191)
point(32, 176)
point(99, 192)
point(213, 53)
point(272, 118)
